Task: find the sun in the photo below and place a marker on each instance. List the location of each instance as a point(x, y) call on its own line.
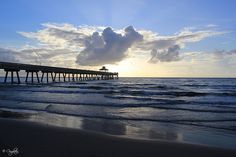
point(124, 68)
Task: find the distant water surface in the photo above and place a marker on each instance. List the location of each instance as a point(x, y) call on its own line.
point(201, 111)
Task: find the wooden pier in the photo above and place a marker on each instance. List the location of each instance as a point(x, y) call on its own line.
point(46, 74)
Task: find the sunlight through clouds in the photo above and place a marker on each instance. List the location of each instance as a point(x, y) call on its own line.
point(122, 49)
point(85, 39)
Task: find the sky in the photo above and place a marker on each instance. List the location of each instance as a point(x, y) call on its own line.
point(137, 38)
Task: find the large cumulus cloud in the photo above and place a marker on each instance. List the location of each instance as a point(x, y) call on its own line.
point(109, 47)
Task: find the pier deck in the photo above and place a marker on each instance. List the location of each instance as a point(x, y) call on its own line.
point(57, 73)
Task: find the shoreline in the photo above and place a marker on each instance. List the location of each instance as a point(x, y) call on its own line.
point(36, 139)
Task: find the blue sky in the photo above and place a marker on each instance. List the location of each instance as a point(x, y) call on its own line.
point(165, 17)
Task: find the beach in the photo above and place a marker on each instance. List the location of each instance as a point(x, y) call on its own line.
point(34, 139)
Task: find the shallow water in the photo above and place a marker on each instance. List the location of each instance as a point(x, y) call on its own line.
point(201, 111)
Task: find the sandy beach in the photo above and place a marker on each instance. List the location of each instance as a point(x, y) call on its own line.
point(35, 139)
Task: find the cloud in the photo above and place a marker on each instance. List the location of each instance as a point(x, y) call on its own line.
point(98, 45)
point(109, 47)
point(216, 56)
point(38, 56)
point(211, 25)
point(167, 48)
point(44, 53)
point(171, 54)
point(224, 52)
point(62, 36)
point(7, 55)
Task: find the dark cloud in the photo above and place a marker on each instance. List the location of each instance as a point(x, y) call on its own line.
point(224, 52)
point(166, 49)
point(7, 55)
point(37, 56)
point(71, 36)
point(44, 53)
point(109, 47)
point(169, 55)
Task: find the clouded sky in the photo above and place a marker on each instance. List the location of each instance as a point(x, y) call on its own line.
point(158, 38)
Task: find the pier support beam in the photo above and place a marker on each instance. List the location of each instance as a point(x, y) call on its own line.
point(5, 80)
point(80, 77)
point(77, 77)
point(73, 77)
point(18, 77)
point(59, 77)
point(42, 77)
point(12, 75)
point(32, 76)
point(69, 77)
point(47, 77)
point(64, 77)
point(37, 75)
point(54, 77)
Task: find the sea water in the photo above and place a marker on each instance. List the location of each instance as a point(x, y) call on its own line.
point(192, 110)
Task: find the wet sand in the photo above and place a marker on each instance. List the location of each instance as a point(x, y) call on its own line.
point(36, 139)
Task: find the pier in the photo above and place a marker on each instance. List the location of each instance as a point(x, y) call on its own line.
point(47, 74)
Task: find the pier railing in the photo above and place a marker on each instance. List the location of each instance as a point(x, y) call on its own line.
point(57, 73)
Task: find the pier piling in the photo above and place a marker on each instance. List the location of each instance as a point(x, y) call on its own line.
point(12, 75)
point(55, 72)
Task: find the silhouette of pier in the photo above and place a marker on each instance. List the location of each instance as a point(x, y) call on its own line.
point(46, 74)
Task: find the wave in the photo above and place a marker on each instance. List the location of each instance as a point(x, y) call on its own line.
point(163, 87)
point(225, 94)
point(50, 108)
point(119, 87)
point(131, 97)
point(133, 91)
point(145, 99)
point(67, 91)
point(19, 100)
point(196, 85)
point(104, 83)
point(154, 105)
point(123, 90)
point(137, 84)
point(210, 85)
point(193, 110)
point(196, 122)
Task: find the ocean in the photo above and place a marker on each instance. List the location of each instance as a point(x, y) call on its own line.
point(191, 110)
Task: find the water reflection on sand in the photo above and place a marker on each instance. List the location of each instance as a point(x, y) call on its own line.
point(131, 129)
point(112, 127)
